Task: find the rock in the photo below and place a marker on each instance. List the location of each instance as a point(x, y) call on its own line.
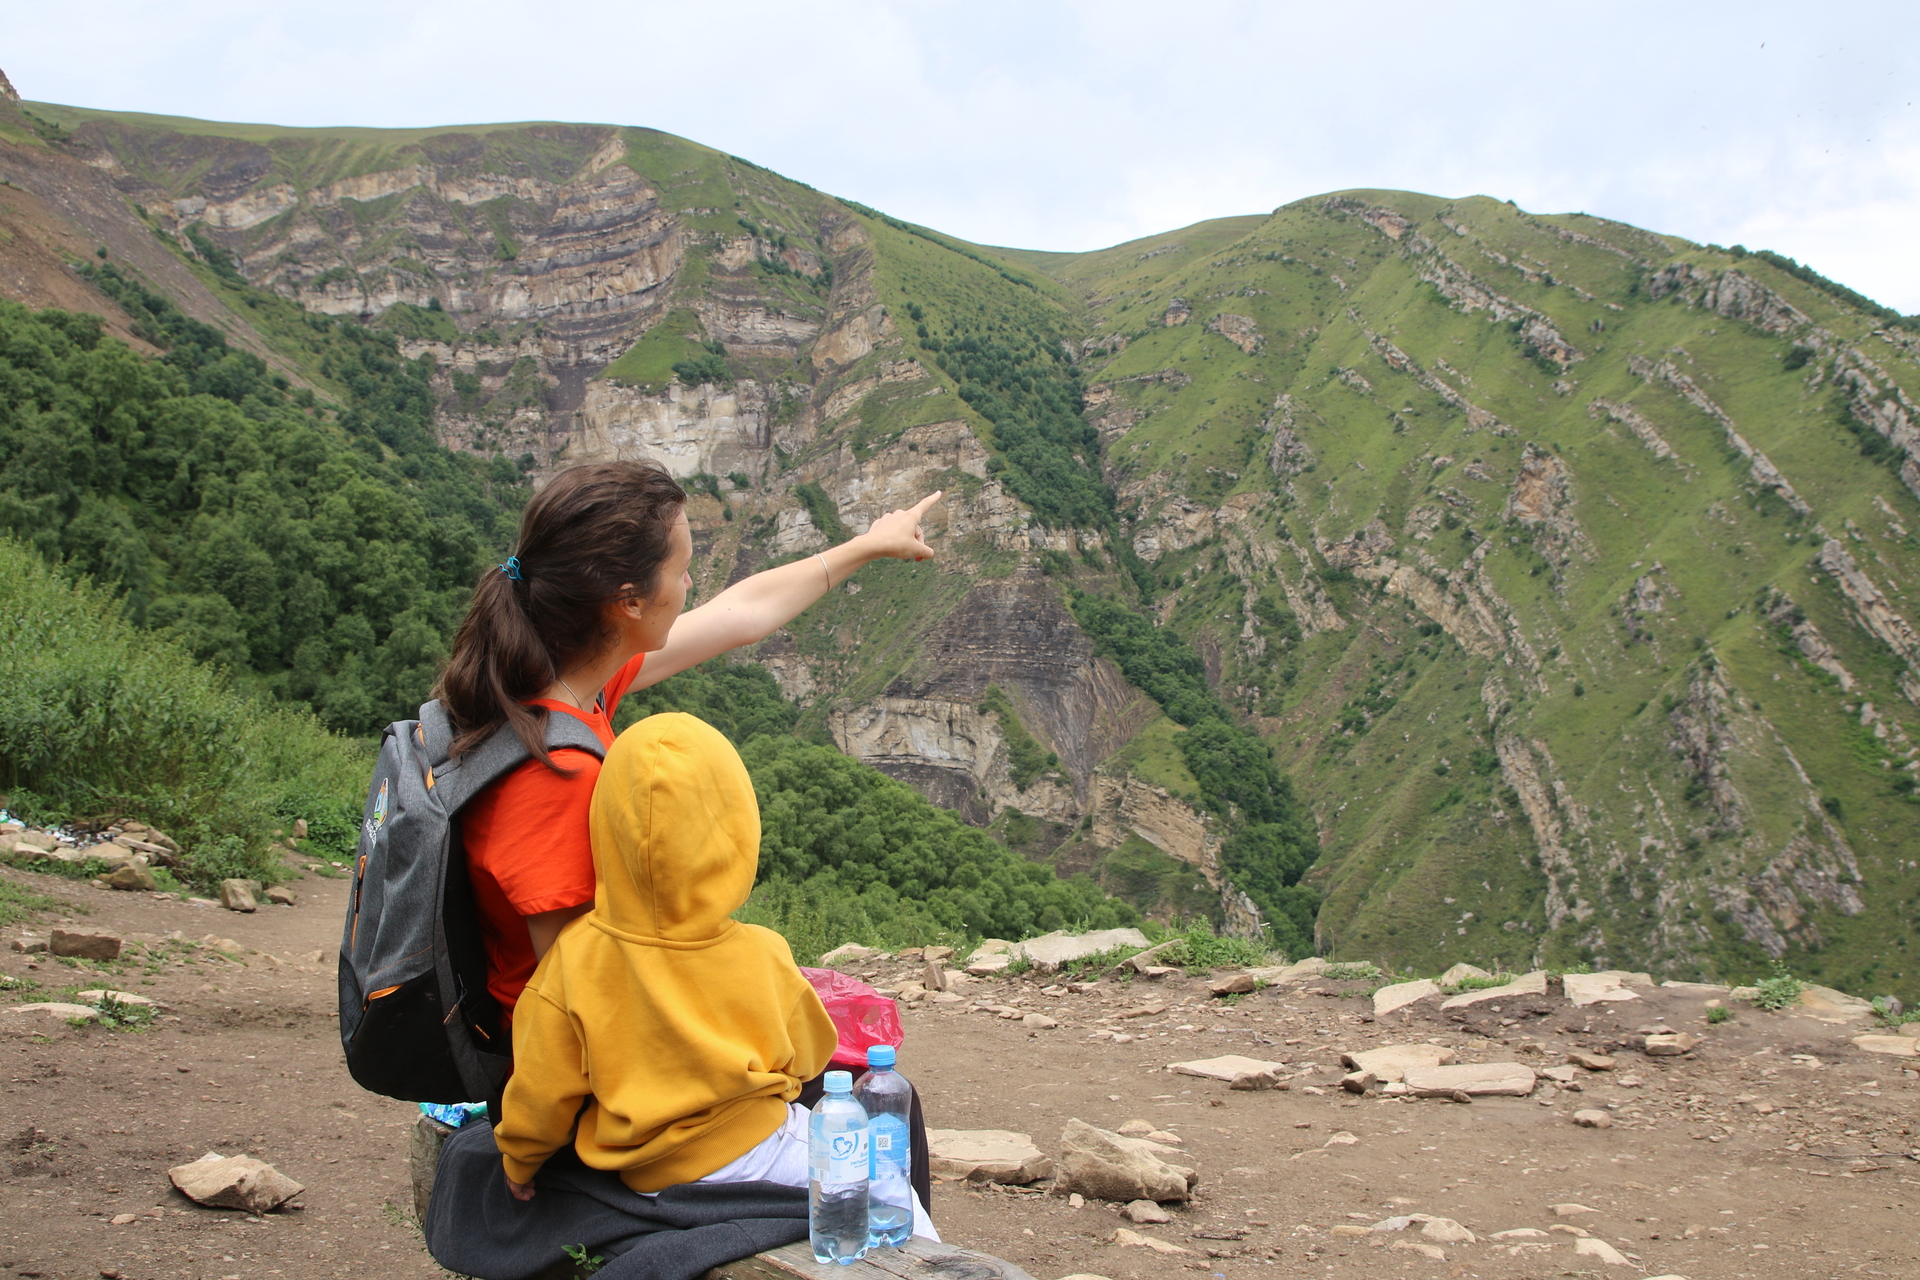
point(1697, 988)
point(237, 895)
point(1038, 1022)
point(1519, 1233)
point(987, 1155)
point(1145, 1213)
point(1592, 1247)
point(1125, 1237)
point(933, 977)
point(57, 1009)
point(1359, 1081)
point(1141, 961)
point(1255, 1080)
point(29, 944)
point(1491, 1079)
point(1596, 988)
point(1401, 994)
point(124, 997)
point(132, 877)
point(84, 946)
point(1460, 973)
point(1591, 1061)
point(1829, 1005)
point(42, 840)
point(1592, 1118)
point(1223, 1068)
point(946, 997)
point(1529, 984)
point(1144, 1011)
point(1159, 971)
point(1909, 1029)
point(1341, 1139)
point(1301, 970)
point(1347, 1229)
point(936, 953)
point(1905, 1046)
point(987, 966)
point(234, 1182)
point(1671, 1045)
point(1390, 1062)
point(1447, 1231)
point(1233, 984)
point(1433, 1251)
point(299, 828)
point(1049, 951)
point(1570, 1210)
point(281, 896)
point(123, 1219)
point(846, 953)
point(1135, 1129)
point(1559, 1075)
point(1106, 1166)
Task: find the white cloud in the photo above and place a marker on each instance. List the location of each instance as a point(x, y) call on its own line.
point(1072, 124)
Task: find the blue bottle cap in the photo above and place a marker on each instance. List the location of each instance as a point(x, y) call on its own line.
point(839, 1081)
point(881, 1055)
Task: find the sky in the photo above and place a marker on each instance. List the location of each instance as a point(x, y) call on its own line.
point(1076, 124)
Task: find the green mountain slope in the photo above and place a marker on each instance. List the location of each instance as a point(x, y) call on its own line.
point(1563, 566)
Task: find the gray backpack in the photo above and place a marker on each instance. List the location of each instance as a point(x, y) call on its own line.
point(415, 1018)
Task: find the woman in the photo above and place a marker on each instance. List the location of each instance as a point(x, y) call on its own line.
point(588, 608)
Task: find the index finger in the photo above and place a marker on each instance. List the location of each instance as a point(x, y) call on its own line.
point(920, 508)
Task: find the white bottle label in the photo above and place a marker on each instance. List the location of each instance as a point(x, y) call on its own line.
point(846, 1158)
point(889, 1140)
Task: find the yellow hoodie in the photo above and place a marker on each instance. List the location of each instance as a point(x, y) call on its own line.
point(663, 1038)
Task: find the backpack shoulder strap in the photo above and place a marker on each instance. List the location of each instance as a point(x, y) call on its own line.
point(503, 752)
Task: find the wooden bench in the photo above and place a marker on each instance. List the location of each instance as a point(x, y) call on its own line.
point(917, 1259)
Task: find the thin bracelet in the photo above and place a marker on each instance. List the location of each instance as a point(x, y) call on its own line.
point(829, 571)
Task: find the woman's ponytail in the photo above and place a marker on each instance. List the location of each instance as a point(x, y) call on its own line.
point(591, 530)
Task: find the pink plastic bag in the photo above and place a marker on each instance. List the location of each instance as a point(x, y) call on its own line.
point(862, 1016)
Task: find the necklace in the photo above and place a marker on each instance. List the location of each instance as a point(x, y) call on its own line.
point(569, 689)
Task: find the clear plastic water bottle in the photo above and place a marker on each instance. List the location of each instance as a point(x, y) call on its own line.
point(887, 1098)
point(837, 1167)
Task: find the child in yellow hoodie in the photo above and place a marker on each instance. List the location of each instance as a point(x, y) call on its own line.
point(664, 1039)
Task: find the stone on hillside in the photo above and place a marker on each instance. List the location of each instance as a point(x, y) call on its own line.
point(1487, 1079)
point(1519, 1233)
point(1591, 1061)
point(933, 976)
point(1359, 1081)
point(1145, 1213)
point(1106, 1166)
point(1038, 1022)
point(1141, 961)
point(1829, 1005)
point(124, 997)
point(1671, 1045)
point(84, 946)
point(1594, 1247)
point(987, 1155)
point(57, 1009)
point(1233, 984)
point(1460, 973)
point(1223, 1068)
point(846, 953)
point(132, 877)
point(936, 953)
point(42, 840)
point(1597, 988)
point(946, 997)
point(1301, 970)
point(990, 947)
point(237, 895)
point(1401, 994)
point(1447, 1231)
point(234, 1182)
point(1421, 1247)
point(1135, 1129)
point(987, 966)
point(1248, 1081)
point(1902, 1046)
point(29, 944)
point(281, 896)
point(1568, 1209)
point(1592, 1118)
point(1050, 951)
point(299, 828)
point(1389, 1063)
point(1529, 984)
point(1909, 1029)
point(1125, 1238)
point(1559, 1075)
point(1341, 1139)
point(1696, 988)
point(1159, 971)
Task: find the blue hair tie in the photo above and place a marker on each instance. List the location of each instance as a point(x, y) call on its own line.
point(512, 568)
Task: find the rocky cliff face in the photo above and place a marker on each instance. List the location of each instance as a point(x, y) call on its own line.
point(1566, 567)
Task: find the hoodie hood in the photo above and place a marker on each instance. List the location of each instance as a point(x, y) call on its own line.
point(676, 833)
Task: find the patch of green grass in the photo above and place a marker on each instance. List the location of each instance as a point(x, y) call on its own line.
point(1719, 1014)
point(1778, 990)
point(1352, 971)
point(19, 903)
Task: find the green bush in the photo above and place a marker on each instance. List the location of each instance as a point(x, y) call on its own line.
point(99, 717)
point(1777, 992)
point(1026, 758)
point(1197, 948)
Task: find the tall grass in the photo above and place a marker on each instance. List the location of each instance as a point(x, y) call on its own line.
point(100, 718)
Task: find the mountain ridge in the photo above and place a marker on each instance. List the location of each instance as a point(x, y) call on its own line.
point(1382, 460)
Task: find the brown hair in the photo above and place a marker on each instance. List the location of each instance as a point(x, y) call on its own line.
point(591, 530)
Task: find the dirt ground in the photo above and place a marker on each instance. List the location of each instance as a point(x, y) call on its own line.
point(1776, 1149)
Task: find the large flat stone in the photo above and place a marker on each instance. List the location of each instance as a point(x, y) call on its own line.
point(1402, 994)
point(990, 1155)
point(1486, 1079)
point(1901, 1046)
point(1829, 1005)
point(1527, 984)
point(1461, 972)
point(1391, 1062)
point(1051, 950)
point(1106, 1166)
point(1597, 988)
point(1226, 1068)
